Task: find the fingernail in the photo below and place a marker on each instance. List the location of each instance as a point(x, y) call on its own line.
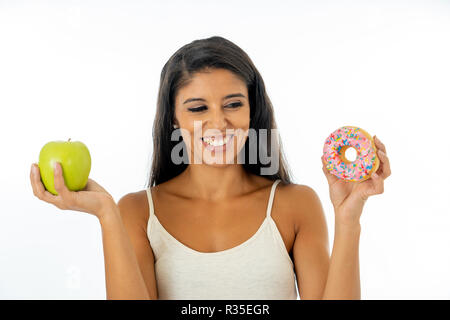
point(375, 175)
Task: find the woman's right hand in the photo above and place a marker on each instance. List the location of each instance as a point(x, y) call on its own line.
point(92, 199)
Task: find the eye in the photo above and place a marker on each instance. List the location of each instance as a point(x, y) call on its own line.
point(230, 106)
point(199, 109)
point(234, 105)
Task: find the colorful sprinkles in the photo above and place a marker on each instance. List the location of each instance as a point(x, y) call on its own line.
point(357, 170)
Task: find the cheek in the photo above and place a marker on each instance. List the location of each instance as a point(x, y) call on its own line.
point(187, 124)
point(240, 118)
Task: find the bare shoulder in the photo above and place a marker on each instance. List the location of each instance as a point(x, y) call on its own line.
point(298, 193)
point(133, 207)
point(302, 203)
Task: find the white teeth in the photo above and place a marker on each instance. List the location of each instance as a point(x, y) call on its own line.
point(216, 142)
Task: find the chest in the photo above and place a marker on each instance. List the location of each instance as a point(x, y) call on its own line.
point(216, 226)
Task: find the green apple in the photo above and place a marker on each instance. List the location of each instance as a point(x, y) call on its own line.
point(75, 161)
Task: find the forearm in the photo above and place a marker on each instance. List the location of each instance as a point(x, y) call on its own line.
point(122, 274)
point(343, 281)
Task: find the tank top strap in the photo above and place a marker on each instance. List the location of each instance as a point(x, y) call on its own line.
point(272, 193)
point(150, 203)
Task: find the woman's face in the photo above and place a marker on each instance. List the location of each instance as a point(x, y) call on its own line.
point(213, 112)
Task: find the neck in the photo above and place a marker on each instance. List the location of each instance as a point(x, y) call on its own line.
point(215, 183)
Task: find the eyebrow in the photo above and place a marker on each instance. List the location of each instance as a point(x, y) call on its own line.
point(233, 95)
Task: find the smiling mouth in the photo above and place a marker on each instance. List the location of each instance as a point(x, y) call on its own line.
point(217, 141)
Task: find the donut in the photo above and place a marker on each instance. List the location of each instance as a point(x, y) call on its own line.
point(366, 161)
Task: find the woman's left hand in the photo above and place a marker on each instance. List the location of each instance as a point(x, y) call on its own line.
point(348, 197)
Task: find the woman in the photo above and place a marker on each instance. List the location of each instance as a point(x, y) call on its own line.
point(209, 226)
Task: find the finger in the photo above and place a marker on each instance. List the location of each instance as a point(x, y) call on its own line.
point(379, 144)
point(385, 167)
point(38, 188)
point(91, 185)
point(377, 186)
point(372, 186)
point(65, 197)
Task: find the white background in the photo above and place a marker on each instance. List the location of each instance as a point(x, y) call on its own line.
point(89, 70)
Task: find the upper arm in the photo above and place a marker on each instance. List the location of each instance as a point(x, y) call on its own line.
point(311, 248)
point(135, 222)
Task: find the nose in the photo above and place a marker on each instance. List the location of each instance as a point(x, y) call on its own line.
point(217, 120)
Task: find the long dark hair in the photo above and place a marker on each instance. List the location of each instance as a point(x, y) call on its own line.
point(213, 52)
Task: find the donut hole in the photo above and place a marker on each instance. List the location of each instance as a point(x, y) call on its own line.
point(351, 154)
point(348, 154)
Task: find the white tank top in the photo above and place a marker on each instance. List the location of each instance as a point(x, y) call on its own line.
point(259, 268)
